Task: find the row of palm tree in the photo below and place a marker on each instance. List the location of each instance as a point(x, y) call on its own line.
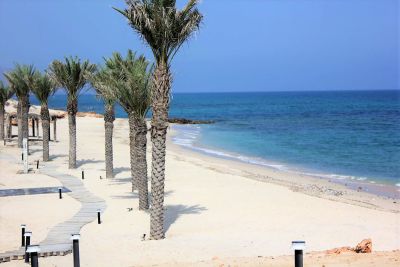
point(131, 83)
point(23, 80)
point(128, 82)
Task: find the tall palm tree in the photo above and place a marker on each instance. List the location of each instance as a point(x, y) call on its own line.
point(127, 80)
point(5, 94)
point(164, 28)
point(71, 75)
point(98, 81)
point(43, 87)
point(20, 80)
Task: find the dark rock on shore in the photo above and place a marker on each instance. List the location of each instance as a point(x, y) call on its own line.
point(187, 121)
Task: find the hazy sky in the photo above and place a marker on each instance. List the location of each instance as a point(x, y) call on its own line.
point(243, 45)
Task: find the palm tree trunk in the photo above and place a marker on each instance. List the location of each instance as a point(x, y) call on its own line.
point(9, 126)
point(131, 119)
point(19, 122)
point(109, 117)
point(140, 146)
point(45, 116)
point(160, 105)
point(2, 112)
point(72, 108)
point(24, 117)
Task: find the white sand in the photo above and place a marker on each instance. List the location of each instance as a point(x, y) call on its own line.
point(213, 209)
point(39, 212)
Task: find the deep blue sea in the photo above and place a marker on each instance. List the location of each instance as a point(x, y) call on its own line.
point(342, 134)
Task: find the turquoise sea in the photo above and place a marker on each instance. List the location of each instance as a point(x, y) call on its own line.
point(338, 134)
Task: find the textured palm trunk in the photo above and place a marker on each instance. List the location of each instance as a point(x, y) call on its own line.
point(9, 126)
point(109, 118)
point(2, 112)
point(72, 108)
point(159, 123)
point(45, 116)
point(19, 122)
point(140, 146)
point(131, 119)
point(24, 117)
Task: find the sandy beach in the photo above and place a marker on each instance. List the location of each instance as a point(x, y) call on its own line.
point(218, 212)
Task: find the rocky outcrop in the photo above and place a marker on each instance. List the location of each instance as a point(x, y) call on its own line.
point(188, 121)
point(364, 246)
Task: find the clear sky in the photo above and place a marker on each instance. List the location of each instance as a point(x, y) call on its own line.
point(243, 45)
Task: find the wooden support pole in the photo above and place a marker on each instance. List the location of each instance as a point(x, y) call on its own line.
point(33, 127)
point(55, 129)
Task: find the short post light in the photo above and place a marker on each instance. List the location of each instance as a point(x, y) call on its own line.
point(75, 243)
point(83, 174)
point(34, 252)
point(60, 193)
point(298, 247)
point(23, 227)
point(27, 244)
point(98, 216)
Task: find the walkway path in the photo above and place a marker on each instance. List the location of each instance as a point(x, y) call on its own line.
point(58, 240)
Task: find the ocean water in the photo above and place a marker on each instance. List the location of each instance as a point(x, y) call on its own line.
point(343, 135)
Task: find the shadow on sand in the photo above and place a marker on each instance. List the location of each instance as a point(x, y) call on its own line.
point(53, 157)
point(173, 212)
point(82, 162)
point(121, 169)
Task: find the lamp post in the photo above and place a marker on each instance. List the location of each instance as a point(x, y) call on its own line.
point(27, 244)
point(60, 193)
point(23, 227)
point(298, 247)
point(98, 217)
point(34, 250)
point(75, 243)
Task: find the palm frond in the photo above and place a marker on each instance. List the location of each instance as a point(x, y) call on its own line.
point(21, 79)
point(5, 93)
point(43, 87)
point(161, 25)
point(126, 81)
point(70, 75)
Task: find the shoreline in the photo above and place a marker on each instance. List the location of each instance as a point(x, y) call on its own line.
point(306, 184)
point(376, 188)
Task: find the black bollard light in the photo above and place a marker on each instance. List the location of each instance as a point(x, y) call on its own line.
point(27, 244)
point(22, 156)
point(98, 217)
point(75, 244)
point(34, 251)
point(37, 164)
point(23, 227)
point(60, 192)
point(83, 174)
point(298, 247)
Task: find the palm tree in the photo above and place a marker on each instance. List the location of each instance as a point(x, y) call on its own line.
point(71, 75)
point(98, 81)
point(20, 80)
point(128, 82)
point(43, 87)
point(5, 94)
point(164, 28)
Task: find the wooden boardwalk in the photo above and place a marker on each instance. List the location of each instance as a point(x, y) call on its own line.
point(58, 240)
